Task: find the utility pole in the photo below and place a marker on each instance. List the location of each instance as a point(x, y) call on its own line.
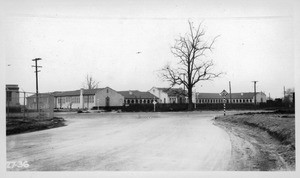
point(254, 91)
point(24, 104)
point(36, 80)
point(229, 91)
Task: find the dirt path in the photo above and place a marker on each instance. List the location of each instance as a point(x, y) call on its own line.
point(253, 149)
point(125, 142)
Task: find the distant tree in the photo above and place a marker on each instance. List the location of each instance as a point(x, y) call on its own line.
point(90, 83)
point(193, 66)
point(288, 96)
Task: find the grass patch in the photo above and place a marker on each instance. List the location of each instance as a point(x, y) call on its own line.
point(280, 126)
point(23, 125)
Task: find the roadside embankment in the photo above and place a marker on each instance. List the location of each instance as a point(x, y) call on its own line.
point(23, 125)
point(270, 138)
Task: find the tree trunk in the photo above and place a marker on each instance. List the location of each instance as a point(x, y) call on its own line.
point(190, 94)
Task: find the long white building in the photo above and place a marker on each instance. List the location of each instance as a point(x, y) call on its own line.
point(235, 98)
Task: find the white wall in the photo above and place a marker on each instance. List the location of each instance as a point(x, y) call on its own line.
point(261, 97)
point(160, 94)
point(115, 99)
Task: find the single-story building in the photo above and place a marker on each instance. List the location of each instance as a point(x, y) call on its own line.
point(46, 101)
point(138, 97)
point(88, 98)
point(242, 98)
point(79, 99)
point(170, 95)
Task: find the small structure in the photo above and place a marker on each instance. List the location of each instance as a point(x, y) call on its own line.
point(12, 95)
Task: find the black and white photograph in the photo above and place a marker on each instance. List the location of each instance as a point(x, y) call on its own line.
point(149, 88)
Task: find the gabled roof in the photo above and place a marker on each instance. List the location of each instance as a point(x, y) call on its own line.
point(41, 95)
point(174, 91)
point(135, 94)
point(247, 95)
point(77, 92)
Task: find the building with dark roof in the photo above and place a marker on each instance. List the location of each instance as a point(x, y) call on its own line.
point(138, 97)
point(83, 98)
point(244, 98)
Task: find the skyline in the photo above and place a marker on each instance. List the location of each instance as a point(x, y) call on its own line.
point(125, 50)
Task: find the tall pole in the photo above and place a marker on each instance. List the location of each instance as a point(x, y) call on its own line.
point(36, 81)
point(24, 104)
point(254, 91)
point(230, 91)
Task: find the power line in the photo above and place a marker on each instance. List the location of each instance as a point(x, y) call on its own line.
point(36, 80)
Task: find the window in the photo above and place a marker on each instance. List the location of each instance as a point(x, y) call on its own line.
point(164, 100)
point(91, 99)
point(8, 95)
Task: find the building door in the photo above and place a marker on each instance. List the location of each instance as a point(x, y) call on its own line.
point(107, 100)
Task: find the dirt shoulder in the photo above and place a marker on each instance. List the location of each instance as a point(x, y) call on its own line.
point(260, 142)
point(24, 125)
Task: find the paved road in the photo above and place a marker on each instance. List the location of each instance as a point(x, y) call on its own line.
point(125, 142)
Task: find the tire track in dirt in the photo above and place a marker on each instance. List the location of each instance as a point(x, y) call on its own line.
point(253, 149)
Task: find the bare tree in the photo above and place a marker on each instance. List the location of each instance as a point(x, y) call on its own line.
point(90, 83)
point(289, 96)
point(193, 66)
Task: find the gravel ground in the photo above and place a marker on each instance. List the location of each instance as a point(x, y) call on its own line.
point(125, 142)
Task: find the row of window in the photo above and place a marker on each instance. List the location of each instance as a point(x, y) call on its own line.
point(139, 101)
point(75, 99)
point(88, 99)
point(221, 100)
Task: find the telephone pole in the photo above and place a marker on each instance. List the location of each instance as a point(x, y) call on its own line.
point(254, 91)
point(36, 80)
point(229, 91)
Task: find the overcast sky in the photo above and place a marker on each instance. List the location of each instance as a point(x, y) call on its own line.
point(102, 39)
